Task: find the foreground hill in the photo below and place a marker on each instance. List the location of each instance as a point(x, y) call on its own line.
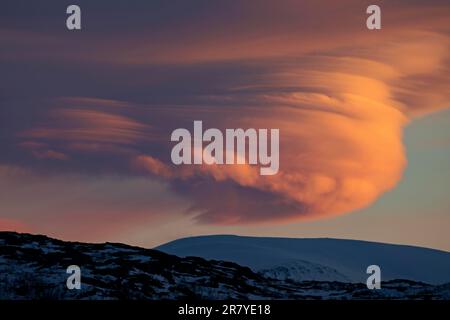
point(34, 267)
point(318, 259)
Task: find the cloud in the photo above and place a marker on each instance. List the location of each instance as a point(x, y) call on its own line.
point(71, 131)
point(341, 96)
point(341, 118)
point(89, 126)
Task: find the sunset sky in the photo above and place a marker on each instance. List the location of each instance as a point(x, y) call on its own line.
point(364, 119)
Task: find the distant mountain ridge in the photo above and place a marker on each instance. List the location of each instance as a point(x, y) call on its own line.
point(320, 259)
point(34, 267)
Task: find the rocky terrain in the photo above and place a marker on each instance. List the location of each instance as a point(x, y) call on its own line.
point(34, 267)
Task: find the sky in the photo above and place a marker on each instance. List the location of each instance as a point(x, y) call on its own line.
point(86, 118)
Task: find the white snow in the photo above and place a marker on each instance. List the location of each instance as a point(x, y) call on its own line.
point(348, 258)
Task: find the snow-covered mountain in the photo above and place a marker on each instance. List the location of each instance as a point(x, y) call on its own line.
point(34, 267)
point(319, 259)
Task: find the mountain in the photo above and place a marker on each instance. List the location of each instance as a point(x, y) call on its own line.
point(34, 267)
point(320, 259)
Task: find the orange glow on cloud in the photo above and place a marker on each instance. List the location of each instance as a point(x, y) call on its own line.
point(341, 96)
point(340, 123)
point(86, 130)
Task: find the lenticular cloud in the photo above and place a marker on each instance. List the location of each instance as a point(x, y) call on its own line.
point(340, 117)
point(340, 95)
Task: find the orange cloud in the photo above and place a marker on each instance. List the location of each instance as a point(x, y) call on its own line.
point(91, 126)
point(341, 116)
point(340, 94)
point(85, 129)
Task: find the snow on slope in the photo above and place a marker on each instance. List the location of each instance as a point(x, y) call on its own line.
point(303, 270)
point(34, 267)
point(318, 259)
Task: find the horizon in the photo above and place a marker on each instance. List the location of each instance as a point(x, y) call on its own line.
point(229, 235)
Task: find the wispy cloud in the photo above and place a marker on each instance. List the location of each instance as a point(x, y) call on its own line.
point(340, 95)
